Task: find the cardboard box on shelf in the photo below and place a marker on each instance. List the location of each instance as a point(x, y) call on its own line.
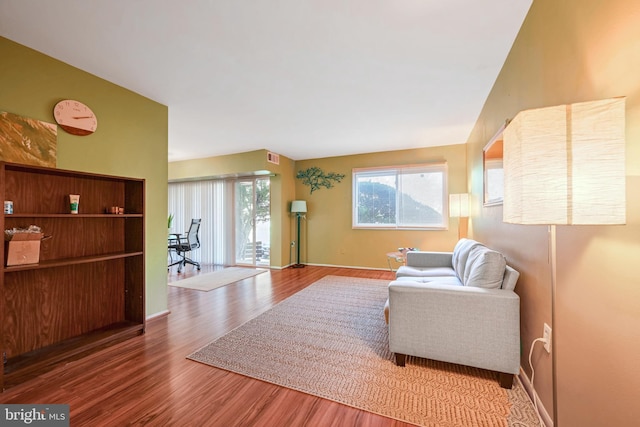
point(22, 248)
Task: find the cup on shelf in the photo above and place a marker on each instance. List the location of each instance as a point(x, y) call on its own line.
point(74, 202)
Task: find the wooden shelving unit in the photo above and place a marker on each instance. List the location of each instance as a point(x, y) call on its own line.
point(87, 291)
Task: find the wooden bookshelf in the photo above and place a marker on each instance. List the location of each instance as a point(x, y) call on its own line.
point(87, 291)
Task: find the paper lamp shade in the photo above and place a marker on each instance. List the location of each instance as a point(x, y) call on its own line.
point(458, 205)
point(566, 165)
point(298, 206)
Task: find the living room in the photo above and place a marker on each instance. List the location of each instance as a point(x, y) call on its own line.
point(565, 52)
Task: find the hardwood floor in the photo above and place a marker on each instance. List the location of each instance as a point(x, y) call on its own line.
point(148, 380)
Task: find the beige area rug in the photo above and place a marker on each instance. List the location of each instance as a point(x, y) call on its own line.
point(330, 340)
point(217, 279)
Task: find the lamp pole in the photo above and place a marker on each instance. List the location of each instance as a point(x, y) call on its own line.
point(299, 207)
point(298, 265)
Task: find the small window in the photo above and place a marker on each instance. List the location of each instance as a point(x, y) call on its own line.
point(400, 197)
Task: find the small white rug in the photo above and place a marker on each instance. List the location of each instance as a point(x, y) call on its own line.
point(209, 281)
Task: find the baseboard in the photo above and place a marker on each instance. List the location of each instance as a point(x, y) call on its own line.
point(349, 266)
point(158, 315)
point(528, 387)
point(277, 267)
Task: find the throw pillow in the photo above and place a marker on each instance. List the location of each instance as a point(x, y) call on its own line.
point(460, 254)
point(485, 268)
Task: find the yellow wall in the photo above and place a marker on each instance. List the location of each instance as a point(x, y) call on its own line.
point(232, 164)
point(328, 236)
point(131, 139)
point(571, 51)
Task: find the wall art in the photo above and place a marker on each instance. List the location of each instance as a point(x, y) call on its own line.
point(27, 141)
point(315, 178)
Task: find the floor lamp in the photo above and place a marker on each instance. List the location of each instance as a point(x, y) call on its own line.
point(299, 208)
point(565, 165)
point(459, 208)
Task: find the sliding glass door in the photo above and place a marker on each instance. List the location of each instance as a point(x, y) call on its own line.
point(252, 221)
point(235, 217)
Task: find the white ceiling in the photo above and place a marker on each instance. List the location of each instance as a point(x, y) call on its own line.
point(302, 78)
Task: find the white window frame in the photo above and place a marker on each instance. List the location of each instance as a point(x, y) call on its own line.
point(397, 171)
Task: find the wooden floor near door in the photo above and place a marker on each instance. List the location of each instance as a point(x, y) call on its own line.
point(148, 381)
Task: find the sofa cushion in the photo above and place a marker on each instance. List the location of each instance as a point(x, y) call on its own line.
point(485, 268)
point(408, 271)
point(444, 280)
point(460, 254)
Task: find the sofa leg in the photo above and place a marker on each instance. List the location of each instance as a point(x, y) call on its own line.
point(400, 359)
point(506, 380)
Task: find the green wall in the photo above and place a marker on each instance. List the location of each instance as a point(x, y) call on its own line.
point(131, 139)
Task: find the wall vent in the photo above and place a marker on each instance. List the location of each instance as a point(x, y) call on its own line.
point(273, 158)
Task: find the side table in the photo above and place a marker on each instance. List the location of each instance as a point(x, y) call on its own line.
point(396, 256)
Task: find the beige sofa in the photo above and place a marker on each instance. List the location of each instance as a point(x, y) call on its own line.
point(458, 307)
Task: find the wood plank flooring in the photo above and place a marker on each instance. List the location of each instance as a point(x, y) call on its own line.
point(148, 380)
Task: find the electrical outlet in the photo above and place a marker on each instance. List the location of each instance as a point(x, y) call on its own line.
point(546, 335)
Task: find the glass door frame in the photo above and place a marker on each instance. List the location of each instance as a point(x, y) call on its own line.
point(257, 256)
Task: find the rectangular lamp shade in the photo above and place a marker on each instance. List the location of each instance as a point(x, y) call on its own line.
point(566, 165)
point(458, 205)
point(298, 206)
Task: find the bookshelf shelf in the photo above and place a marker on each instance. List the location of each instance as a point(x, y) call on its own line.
point(87, 290)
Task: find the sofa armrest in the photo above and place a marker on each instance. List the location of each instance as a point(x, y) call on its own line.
point(457, 324)
point(425, 259)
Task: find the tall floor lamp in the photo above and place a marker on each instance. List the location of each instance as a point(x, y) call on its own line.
point(298, 207)
point(565, 165)
point(459, 208)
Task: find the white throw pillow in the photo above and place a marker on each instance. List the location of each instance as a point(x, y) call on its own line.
point(460, 254)
point(485, 268)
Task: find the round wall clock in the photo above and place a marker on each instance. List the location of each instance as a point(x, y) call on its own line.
point(75, 117)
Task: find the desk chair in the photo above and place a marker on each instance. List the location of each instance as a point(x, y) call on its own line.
point(183, 244)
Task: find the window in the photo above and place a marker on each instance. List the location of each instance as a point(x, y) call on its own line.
point(400, 197)
point(493, 181)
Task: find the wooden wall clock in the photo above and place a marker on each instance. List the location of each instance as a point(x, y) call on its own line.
point(75, 118)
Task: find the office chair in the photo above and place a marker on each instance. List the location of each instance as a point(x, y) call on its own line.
point(183, 244)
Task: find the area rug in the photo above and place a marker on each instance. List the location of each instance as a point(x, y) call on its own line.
point(217, 279)
point(330, 340)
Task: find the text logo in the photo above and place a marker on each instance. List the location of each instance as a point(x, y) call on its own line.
point(34, 415)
